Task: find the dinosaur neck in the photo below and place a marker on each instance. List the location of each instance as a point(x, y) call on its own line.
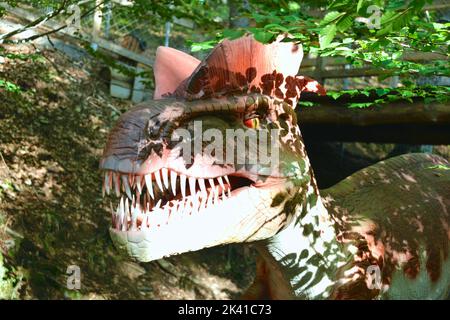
point(307, 250)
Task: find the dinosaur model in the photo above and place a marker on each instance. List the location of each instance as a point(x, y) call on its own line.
point(381, 233)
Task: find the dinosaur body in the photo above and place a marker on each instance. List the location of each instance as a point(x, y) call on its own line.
point(184, 184)
point(401, 234)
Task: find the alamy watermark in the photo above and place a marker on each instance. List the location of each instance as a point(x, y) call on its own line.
point(74, 278)
point(373, 277)
point(238, 146)
point(374, 20)
point(73, 22)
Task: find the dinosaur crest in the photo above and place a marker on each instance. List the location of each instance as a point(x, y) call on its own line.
point(235, 67)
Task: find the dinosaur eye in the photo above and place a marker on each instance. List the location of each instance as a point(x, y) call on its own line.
point(252, 123)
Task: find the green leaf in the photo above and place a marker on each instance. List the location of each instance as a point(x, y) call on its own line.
point(233, 34)
point(334, 94)
point(345, 22)
point(263, 36)
point(360, 105)
point(359, 5)
point(331, 17)
point(382, 91)
point(306, 103)
point(327, 35)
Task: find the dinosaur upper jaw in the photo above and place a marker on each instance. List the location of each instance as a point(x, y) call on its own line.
point(166, 212)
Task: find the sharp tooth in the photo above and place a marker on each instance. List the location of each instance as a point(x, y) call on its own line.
point(158, 180)
point(221, 182)
point(180, 208)
point(192, 185)
point(173, 182)
point(127, 214)
point(116, 178)
point(108, 176)
point(183, 184)
point(131, 179)
point(165, 176)
point(112, 212)
point(158, 204)
point(148, 182)
point(211, 183)
point(216, 196)
point(117, 217)
point(203, 203)
point(210, 199)
point(138, 183)
point(121, 214)
point(229, 192)
point(201, 183)
point(144, 222)
point(134, 215)
point(227, 180)
point(126, 185)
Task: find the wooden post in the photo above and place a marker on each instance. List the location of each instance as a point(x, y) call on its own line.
point(97, 25)
point(320, 65)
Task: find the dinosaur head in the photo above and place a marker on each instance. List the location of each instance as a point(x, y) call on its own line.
point(217, 158)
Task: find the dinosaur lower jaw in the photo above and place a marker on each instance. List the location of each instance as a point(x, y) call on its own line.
point(164, 196)
point(157, 209)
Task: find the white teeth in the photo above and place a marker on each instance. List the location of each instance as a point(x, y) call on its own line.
point(227, 180)
point(192, 185)
point(144, 222)
point(134, 215)
point(173, 182)
point(157, 205)
point(138, 183)
point(201, 183)
point(183, 184)
point(148, 182)
point(210, 199)
point(221, 182)
point(165, 176)
point(107, 181)
point(131, 179)
point(158, 180)
point(126, 186)
point(211, 182)
point(116, 178)
point(127, 214)
point(216, 196)
point(203, 203)
point(180, 209)
point(112, 212)
point(121, 213)
point(117, 217)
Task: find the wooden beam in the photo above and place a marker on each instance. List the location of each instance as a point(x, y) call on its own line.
point(110, 46)
point(402, 122)
point(308, 62)
point(392, 113)
point(107, 45)
point(398, 133)
point(343, 73)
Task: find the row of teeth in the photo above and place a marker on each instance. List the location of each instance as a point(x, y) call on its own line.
point(130, 216)
point(161, 177)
